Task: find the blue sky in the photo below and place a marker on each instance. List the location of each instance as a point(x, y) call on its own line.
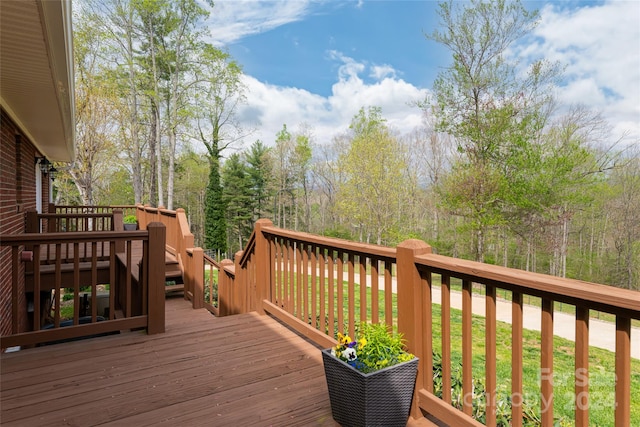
point(299, 53)
point(315, 63)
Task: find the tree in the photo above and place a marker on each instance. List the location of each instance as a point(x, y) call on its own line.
point(215, 226)
point(301, 163)
point(217, 93)
point(237, 199)
point(192, 170)
point(182, 45)
point(116, 20)
point(260, 172)
point(624, 210)
point(153, 27)
point(430, 157)
point(327, 177)
point(171, 42)
point(94, 114)
point(285, 177)
point(292, 162)
point(485, 106)
point(373, 192)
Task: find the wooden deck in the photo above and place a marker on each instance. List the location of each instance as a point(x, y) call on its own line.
point(237, 371)
point(242, 370)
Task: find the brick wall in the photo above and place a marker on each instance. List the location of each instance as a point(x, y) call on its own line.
point(17, 195)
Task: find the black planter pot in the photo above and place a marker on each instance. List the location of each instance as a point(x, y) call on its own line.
point(130, 227)
point(381, 398)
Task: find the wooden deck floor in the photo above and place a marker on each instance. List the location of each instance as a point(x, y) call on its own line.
point(244, 370)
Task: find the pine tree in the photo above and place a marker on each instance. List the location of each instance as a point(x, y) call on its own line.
point(215, 225)
point(260, 172)
point(236, 196)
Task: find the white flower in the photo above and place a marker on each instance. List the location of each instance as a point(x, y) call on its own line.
point(333, 352)
point(350, 354)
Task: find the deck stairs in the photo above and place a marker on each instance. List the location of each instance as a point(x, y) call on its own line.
point(173, 274)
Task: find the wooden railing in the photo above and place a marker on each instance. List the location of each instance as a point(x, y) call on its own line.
point(212, 275)
point(318, 286)
point(180, 240)
point(68, 221)
point(94, 261)
point(422, 267)
point(62, 209)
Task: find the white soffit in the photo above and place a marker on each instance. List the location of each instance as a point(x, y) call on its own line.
point(36, 72)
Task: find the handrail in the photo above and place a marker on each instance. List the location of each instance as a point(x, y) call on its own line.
point(594, 296)
point(248, 250)
point(179, 236)
point(64, 222)
point(142, 305)
point(319, 285)
point(333, 243)
point(91, 209)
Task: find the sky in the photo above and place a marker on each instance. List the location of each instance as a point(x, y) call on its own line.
point(314, 64)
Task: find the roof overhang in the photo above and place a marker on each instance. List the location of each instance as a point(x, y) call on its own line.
point(36, 73)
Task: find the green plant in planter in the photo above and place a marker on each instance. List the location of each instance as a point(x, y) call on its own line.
point(374, 349)
point(370, 379)
point(130, 219)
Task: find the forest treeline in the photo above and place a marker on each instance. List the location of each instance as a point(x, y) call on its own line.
point(499, 171)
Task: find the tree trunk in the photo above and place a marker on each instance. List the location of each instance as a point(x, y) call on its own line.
point(480, 245)
point(133, 121)
point(153, 191)
point(159, 161)
point(564, 246)
point(171, 173)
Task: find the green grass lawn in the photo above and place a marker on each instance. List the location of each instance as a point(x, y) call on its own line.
point(601, 369)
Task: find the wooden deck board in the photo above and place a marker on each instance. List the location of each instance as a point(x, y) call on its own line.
point(236, 370)
point(244, 370)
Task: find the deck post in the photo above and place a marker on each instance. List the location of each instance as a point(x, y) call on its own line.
point(623, 371)
point(225, 285)
point(156, 278)
point(52, 227)
point(31, 222)
point(410, 309)
point(240, 284)
point(118, 225)
point(263, 266)
point(197, 278)
point(143, 215)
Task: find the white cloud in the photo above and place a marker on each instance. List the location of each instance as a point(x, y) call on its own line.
point(269, 107)
point(600, 47)
point(231, 20)
point(379, 72)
